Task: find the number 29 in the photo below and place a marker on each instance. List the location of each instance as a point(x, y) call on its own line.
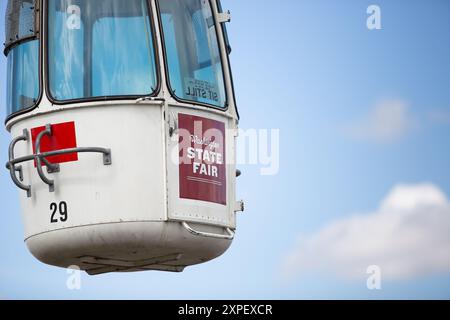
point(58, 212)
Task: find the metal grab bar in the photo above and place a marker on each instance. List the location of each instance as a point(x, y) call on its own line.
point(51, 168)
point(12, 167)
point(106, 155)
point(40, 157)
point(230, 235)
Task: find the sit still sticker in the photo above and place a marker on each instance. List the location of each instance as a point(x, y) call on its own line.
point(202, 90)
point(202, 159)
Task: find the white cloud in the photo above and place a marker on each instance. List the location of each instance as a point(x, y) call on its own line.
point(408, 236)
point(389, 121)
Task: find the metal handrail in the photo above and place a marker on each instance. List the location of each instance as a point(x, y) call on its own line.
point(40, 157)
point(12, 167)
point(230, 235)
point(106, 155)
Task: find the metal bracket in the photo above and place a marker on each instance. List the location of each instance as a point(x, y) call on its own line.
point(224, 17)
point(97, 266)
point(239, 206)
point(229, 236)
point(149, 99)
point(19, 169)
point(173, 123)
point(41, 158)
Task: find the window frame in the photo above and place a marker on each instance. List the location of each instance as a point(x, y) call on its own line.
point(37, 36)
point(226, 106)
point(157, 62)
point(228, 53)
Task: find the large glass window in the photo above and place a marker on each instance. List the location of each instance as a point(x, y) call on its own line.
point(100, 48)
point(23, 76)
point(22, 50)
point(192, 50)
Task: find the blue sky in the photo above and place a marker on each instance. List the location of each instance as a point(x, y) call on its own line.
point(364, 120)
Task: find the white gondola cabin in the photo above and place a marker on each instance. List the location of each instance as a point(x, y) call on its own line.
point(123, 124)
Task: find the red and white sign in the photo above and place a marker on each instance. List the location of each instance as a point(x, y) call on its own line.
point(203, 174)
point(63, 137)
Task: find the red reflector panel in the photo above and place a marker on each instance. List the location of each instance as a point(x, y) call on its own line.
point(63, 137)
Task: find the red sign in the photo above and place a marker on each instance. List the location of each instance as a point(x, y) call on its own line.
point(63, 137)
point(202, 159)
